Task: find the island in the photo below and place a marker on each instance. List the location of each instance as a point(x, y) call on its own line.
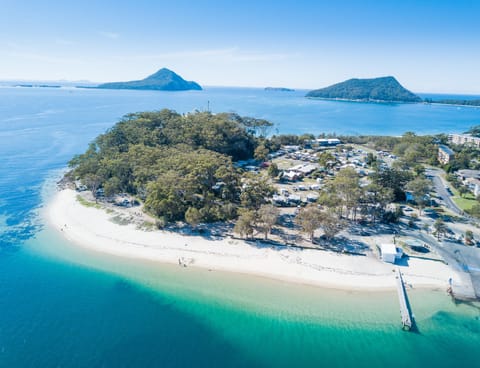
point(383, 89)
point(37, 86)
point(216, 191)
point(279, 89)
point(162, 80)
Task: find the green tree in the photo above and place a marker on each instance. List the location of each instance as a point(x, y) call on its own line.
point(330, 224)
point(261, 152)
point(329, 199)
point(167, 196)
point(112, 186)
point(420, 188)
point(463, 190)
point(440, 228)
point(347, 187)
point(370, 159)
point(309, 220)
point(193, 216)
point(453, 179)
point(255, 192)
point(326, 159)
point(93, 181)
point(393, 179)
point(375, 200)
point(273, 170)
point(227, 211)
point(267, 217)
point(245, 225)
point(419, 170)
point(258, 127)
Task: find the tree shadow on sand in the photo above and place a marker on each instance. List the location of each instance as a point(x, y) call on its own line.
point(343, 245)
point(213, 231)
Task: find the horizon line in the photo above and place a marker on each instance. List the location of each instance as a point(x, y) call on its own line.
point(10, 80)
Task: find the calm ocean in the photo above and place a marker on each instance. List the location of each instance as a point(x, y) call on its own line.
point(61, 306)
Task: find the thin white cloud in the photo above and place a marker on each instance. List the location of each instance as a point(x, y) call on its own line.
point(110, 35)
point(227, 54)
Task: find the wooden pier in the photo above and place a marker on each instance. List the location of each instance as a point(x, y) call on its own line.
point(406, 313)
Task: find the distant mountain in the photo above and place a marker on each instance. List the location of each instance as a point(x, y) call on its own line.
point(163, 80)
point(281, 89)
point(385, 89)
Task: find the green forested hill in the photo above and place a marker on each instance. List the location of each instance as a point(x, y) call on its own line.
point(174, 163)
point(163, 80)
point(375, 89)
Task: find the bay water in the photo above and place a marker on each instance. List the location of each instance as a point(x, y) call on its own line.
point(63, 306)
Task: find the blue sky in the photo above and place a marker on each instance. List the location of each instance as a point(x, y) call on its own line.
point(430, 46)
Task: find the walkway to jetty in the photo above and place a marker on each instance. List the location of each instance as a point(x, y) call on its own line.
point(405, 311)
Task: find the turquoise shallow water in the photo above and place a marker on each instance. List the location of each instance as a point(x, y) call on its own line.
point(76, 309)
point(61, 306)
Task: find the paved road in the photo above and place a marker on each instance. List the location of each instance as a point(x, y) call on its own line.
point(464, 259)
point(439, 186)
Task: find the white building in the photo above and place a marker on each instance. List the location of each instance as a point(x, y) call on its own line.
point(327, 142)
point(471, 179)
point(464, 139)
point(445, 154)
point(390, 253)
point(474, 185)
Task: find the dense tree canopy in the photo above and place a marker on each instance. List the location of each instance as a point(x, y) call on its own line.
point(378, 89)
point(175, 163)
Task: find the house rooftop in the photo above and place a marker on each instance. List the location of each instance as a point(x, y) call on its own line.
point(466, 173)
point(388, 248)
point(446, 149)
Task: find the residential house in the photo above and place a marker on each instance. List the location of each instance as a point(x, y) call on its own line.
point(471, 179)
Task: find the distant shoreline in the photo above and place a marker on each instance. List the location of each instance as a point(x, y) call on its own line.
point(383, 102)
point(380, 102)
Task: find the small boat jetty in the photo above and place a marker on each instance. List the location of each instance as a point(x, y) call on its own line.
point(405, 311)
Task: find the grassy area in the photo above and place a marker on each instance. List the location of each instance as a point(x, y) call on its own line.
point(283, 163)
point(148, 226)
point(363, 148)
point(86, 203)
point(464, 203)
point(120, 220)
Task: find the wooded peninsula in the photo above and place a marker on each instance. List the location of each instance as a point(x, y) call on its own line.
point(202, 167)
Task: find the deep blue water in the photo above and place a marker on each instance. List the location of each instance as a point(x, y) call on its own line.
point(74, 310)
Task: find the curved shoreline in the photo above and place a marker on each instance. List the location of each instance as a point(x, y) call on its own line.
point(93, 229)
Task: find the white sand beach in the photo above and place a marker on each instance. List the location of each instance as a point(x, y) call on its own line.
point(93, 229)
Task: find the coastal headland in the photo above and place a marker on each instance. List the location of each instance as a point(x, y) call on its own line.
point(214, 191)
